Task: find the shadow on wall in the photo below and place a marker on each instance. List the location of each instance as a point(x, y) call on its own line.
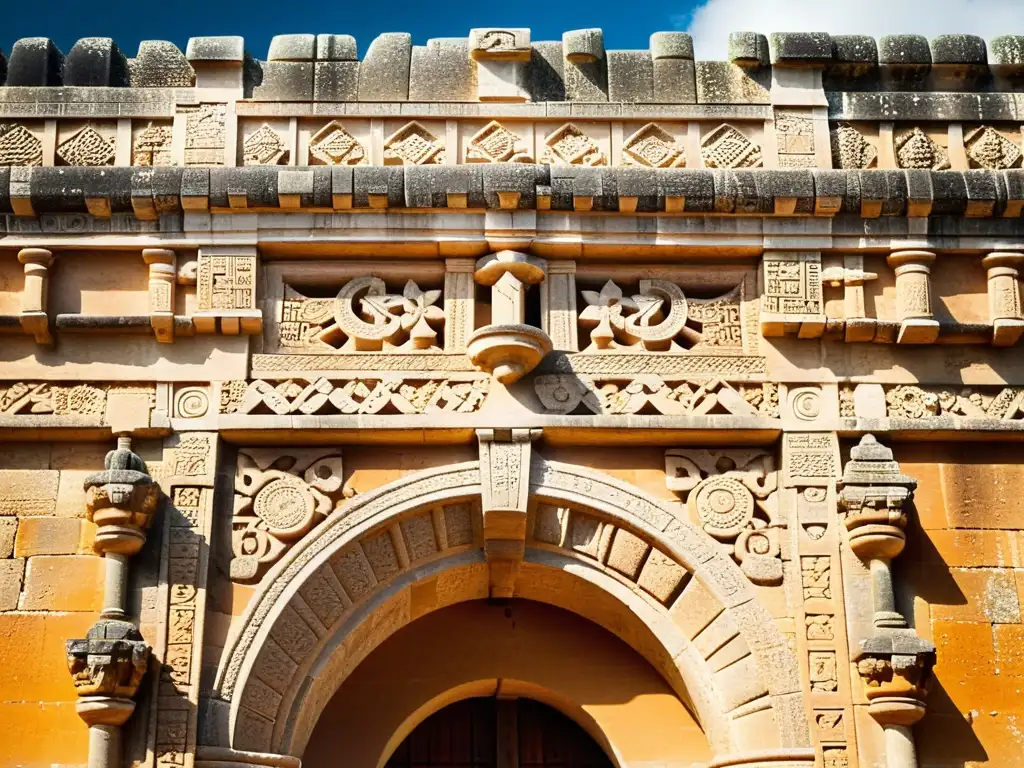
point(520, 647)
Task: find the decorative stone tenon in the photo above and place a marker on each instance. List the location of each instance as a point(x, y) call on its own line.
point(122, 500)
point(107, 667)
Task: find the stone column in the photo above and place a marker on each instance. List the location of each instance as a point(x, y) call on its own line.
point(508, 348)
point(558, 305)
point(894, 663)
point(108, 665)
point(34, 320)
point(1004, 308)
point(459, 303)
point(162, 280)
point(913, 297)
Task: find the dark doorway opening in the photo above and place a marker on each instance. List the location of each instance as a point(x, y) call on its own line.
point(498, 733)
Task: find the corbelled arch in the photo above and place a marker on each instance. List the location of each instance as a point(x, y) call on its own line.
point(347, 587)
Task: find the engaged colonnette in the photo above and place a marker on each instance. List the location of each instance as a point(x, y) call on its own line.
point(296, 352)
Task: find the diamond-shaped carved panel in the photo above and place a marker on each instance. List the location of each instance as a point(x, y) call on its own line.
point(19, 146)
point(653, 147)
point(264, 147)
point(851, 151)
point(333, 145)
point(571, 146)
point(86, 147)
point(727, 147)
point(916, 149)
point(413, 145)
point(987, 148)
point(494, 143)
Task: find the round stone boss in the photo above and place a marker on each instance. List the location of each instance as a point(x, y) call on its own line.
point(723, 505)
point(286, 506)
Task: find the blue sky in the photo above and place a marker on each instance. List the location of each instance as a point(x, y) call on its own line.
point(625, 26)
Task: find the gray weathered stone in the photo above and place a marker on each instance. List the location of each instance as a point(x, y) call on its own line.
point(336, 48)
point(671, 45)
point(228, 48)
point(384, 70)
point(292, 48)
point(854, 63)
point(336, 81)
point(630, 77)
point(958, 49)
point(796, 49)
point(500, 43)
point(160, 64)
point(428, 186)
point(547, 80)
point(259, 183)
point(583, 46)
point(512, 177)
point(442, 70)
point(285, 81)
point(719, 82)
point(748, 49)
point(905, 61)
point(378, 180)
point(674, 81)
point(96, 61)
point(35, 61)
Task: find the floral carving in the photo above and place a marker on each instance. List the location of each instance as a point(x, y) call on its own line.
point(915, 149)
point(911, 402)
point(987, 148)
point(731, 494)
point(850, 150)
point(44, 398)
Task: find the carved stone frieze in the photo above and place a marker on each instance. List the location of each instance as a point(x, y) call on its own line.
point(728, 147)
point(987, 148)
point(732, 496)
point(264, 147)
point(45, 398)
point(413, 145)
point(916, 149)
point(494, 143)
point(19, 146)
point(333, 145)
point(794, 138)
point(152, 147)
point(660, 318)
point(279, 497)
point(205, 134)
point(110, 661)
point(571, 146)
point(851, 151)
point(364, 317)
point(566, 393)
point(907, 401)
point(653, 147)
point(87, 147)
point(389, 395)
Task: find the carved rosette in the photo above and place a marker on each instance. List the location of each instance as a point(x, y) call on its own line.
point(107, 667)
point(873, 493)
point(731, 495)
point(122, 500)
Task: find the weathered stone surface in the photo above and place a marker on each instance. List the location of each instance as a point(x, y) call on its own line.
point(336, 81)
point(285, 81)
point(336, 48)
point(384, 69)
point(35, 61)
point(547, 72)
point(292, 48)
point(630, 77)
point(748, 49)
point(719, 82)
point(161, 64)
point(800, 48)
point(224, 49)
point(442, 70)
point(96, 61)
point(671, 45)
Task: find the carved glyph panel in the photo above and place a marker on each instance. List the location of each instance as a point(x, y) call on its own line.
point(728, 147)
point(731, 494)
point(571, 146)
point(413, 145)
point(653, 147)
point(19, 146)
point(152, 146)
point(205, 134)
point(494, 143)
point(364, 316)
point(86, 147)
point(333, 145)
point(264, 147)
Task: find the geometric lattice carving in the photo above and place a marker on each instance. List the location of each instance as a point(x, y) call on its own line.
point(571, 146)
point(654, 148)
point(18, 146)
point(413, 145)
point(916, 149)
point(205, 134)
point(153, 146)
point(987, 148)
point(333, 145)
point(87, 147)
point(727, 147)
point(850, 150)
point(264, 147)
point(494, 143)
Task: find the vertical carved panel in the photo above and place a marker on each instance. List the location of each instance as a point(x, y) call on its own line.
point(459, 303)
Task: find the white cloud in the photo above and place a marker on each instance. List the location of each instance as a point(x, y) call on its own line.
point(711, 22)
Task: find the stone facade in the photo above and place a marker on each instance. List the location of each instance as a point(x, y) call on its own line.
point(305, 360)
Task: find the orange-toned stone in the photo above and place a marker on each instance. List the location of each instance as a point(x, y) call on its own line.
point(32, 644)
point(63, 583)
point(8, 530)
point(984, 594)
point(53, 536)
point(12, 572)
point(1009, 645)
point(48, 734)
point(974, 549)
point(984, 490)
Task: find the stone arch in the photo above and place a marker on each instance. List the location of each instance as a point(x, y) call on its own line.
point(351, 582)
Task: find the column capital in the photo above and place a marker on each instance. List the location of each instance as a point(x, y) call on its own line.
point(107, 666)
point(122, 500)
